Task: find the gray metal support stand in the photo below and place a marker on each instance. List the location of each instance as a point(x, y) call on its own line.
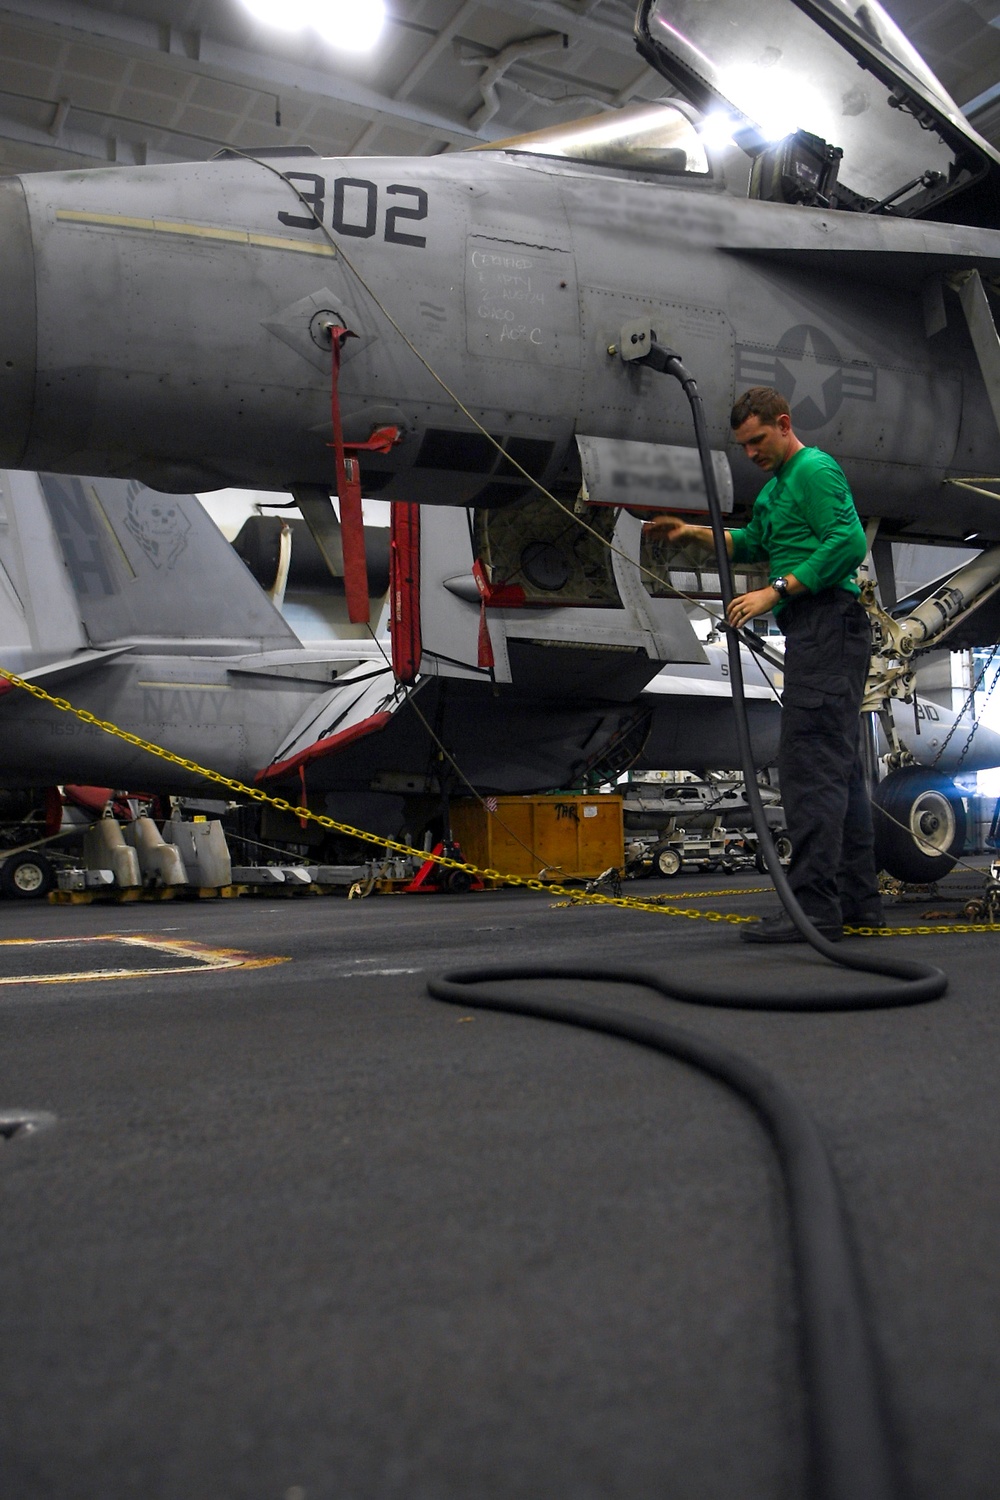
point(319, 515)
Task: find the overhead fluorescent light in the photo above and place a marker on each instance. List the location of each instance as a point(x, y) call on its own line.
point(348, 25)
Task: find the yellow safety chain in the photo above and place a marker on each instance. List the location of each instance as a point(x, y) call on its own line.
point(739, 890)
point(955, 927)
point(576, 897)
point(283, 805)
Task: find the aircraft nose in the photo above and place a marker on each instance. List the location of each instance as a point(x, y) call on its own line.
point(17, 324)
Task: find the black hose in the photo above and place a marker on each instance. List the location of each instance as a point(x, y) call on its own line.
point(851, 1448)
point(851, 1456)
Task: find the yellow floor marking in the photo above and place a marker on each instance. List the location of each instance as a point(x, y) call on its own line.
point(205, 959)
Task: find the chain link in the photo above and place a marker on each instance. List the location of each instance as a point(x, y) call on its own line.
point(891, 932)
point(740, 890)
point(982, 706)
point(967, 707)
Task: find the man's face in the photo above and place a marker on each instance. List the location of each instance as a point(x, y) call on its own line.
point(765, 443)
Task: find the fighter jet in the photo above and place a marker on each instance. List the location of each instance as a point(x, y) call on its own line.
point(173, 324)
point(178, 326)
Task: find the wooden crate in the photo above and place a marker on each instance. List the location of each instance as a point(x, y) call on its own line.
point(553, 837)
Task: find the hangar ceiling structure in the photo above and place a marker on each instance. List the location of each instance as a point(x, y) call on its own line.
point(135, 81)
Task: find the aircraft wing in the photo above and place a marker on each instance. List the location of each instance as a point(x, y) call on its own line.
point(55, 672)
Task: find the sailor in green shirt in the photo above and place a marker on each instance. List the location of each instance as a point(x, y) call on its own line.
point(807, 499)
point(805, 527)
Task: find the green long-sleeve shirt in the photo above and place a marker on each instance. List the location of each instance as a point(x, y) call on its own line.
point(804, 522)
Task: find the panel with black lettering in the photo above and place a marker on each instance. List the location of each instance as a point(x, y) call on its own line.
point(355, 206)
point(394, 235)
point(314, 199)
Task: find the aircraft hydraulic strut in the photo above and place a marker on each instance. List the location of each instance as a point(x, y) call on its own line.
point(896, 642)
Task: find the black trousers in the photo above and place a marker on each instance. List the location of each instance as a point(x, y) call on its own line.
point(823, 786)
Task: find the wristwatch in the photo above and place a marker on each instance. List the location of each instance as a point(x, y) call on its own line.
point(780, 586)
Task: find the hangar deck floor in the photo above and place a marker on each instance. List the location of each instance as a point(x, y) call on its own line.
point(301, 1233)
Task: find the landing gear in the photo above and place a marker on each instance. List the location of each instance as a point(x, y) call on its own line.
point(920, 824)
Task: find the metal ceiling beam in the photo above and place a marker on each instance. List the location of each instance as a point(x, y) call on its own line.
point(578, 25)
point(132, 134)
point(63, 20)
point(437, 48)
point(90, 147)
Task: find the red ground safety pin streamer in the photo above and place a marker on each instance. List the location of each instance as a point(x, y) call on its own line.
point(348, 471)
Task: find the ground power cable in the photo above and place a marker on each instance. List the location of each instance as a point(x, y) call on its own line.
point(852, 1453)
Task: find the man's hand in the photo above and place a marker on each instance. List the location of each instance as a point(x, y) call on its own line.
point(745, 607)
point(682, 534)
point(667, 528)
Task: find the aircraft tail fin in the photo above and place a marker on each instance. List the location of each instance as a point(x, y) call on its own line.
point(142, 566)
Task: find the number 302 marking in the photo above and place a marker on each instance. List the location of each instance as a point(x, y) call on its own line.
point(355, 208)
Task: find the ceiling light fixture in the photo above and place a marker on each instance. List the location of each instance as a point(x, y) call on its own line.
point(348, 25)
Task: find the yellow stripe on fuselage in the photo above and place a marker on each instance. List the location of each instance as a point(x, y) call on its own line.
point(195, 231)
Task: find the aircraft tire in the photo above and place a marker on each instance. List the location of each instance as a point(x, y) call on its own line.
point(26, 877)
point(930, 809)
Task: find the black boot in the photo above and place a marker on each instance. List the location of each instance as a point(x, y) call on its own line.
point(783, 930)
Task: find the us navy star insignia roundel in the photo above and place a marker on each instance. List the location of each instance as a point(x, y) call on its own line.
point(809, 371)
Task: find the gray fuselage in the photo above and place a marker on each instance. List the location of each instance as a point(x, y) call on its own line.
point(161, 323)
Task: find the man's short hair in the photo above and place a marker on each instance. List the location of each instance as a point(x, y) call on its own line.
point(761, 401)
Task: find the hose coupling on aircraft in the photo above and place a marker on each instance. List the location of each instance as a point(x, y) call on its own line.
point(638, 342)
